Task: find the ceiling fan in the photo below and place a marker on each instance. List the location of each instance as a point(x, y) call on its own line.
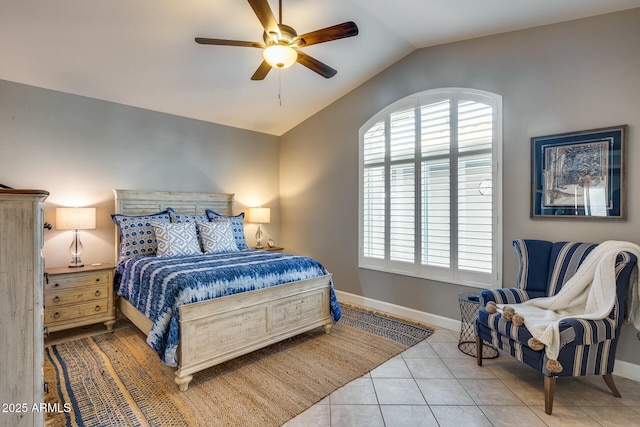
point(281, 47)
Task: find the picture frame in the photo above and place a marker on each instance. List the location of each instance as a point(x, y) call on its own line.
point(579, 175)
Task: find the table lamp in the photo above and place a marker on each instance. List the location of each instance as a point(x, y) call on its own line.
point(75, 219)
point(259, 216)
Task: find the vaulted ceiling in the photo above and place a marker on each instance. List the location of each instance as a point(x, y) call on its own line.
point(142, 53)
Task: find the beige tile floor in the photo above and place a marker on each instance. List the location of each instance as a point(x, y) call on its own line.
point(434, 384)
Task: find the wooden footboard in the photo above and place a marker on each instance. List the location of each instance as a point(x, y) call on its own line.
point(218, 330)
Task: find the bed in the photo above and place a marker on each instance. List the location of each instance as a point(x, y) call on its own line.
point(216, 330)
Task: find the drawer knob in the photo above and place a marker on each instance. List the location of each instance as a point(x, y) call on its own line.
point(97, 308)
point(56, 299)
point(56, 285)
point(56, 315)
point(97, 279)
point(98, 293)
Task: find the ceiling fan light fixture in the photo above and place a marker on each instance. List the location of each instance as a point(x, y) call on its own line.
point(282, 45)
point(280, 56)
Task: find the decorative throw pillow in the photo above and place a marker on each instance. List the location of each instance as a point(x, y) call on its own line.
point(177, 239)
point(237, 225)
point(217, 236)
point(136, 235)
point(179, 218)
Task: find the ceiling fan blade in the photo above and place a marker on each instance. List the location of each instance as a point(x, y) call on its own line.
point(222, 42)
point(262, 71)
point(265, 16)
point(314, 65)
point(340, 31)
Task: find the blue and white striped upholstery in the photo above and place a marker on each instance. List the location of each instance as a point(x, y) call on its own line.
point(587, 346)
point(564, 262)
point(505, 296)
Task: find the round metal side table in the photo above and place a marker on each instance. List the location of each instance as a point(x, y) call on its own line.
point(469, 308)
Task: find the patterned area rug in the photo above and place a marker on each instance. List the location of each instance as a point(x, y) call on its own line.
point(117, 379)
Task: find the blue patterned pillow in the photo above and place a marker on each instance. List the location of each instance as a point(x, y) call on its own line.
point(179, 218)
point(177, 239)
point(136, 235)
point(217, 236)
point(237, 224)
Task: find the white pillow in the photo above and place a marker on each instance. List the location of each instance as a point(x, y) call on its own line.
point(176, 239)
point(217, 236)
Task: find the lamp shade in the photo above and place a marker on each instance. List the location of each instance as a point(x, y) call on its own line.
point(75, 218)
point(260, 215)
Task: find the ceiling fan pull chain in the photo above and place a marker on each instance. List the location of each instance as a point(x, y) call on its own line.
point(280, 87)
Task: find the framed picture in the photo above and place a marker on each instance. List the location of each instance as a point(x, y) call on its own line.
point(579, 174)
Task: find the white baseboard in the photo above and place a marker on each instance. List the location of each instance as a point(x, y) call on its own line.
point(398, 310)
point(627, 370)
point(622, 368)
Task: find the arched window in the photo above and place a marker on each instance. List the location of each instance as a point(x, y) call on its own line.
point(430, 187)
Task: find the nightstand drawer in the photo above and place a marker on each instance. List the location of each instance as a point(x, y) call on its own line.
point(64, 281)
point(55, 298)
point(75, 312)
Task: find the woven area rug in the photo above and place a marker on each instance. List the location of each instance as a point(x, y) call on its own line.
point(117, 379)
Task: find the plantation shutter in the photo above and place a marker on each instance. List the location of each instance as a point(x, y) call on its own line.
point(475, 182)
point(373, 215)
point(436, 195)
point(402, 149)
point(428, 188)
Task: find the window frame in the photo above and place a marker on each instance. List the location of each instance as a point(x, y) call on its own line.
point(449, 274)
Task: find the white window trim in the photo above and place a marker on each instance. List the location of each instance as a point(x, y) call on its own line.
point(446, 275)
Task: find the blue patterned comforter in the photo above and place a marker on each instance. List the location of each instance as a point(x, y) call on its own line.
point(157, 286)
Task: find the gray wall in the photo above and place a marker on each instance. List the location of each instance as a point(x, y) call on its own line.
point(79, 149)
point(566, 77)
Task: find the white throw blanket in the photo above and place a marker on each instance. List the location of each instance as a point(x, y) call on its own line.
point(589, 294)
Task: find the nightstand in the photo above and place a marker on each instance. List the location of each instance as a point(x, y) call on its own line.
point(78, 296)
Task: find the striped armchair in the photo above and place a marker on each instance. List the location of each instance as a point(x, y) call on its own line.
point(588, 347)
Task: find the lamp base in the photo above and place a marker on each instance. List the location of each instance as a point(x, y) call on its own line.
point(259, 237)
point(75, 250)
point(76, 263)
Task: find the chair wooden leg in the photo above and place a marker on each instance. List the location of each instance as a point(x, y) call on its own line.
point(549, 390)
point(608, 378)
point(479, 350)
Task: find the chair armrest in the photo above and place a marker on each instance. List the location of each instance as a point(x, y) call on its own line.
point(586, 332)
point(506, 296)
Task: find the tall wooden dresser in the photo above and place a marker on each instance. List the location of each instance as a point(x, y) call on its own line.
point(21, 287)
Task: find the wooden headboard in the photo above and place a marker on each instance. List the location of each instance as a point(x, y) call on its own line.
point(132, 202)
